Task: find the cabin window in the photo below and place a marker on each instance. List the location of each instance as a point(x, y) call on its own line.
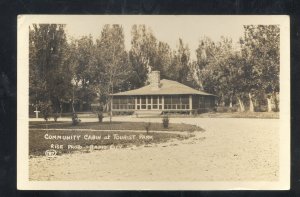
point(154, 102)
point(123, 103)
point(143, 102)
point(149, 102)
point(207, 102)
point(201, 102)
point(154, 99)
point(177, 102)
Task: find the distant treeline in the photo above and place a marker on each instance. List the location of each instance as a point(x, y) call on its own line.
point(83, 71)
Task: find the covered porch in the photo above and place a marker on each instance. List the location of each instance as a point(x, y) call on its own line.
point(152, 102)
point(162, 103)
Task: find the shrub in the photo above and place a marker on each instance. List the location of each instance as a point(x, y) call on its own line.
point(46, 110)
point(224, 109)
point(211, 110)
point(233, 108)
point(55, 116)
point(75, 119)
point(276, 109)
point(122, 113)
point(100, 116)
point(165, 122)
point(147, 127)
point(98, 110)
point(201, 110)
point(261, 108)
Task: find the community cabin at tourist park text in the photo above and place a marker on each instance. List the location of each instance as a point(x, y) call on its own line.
point(162, 96)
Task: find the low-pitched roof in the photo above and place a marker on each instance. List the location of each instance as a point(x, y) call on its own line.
point(167, 87)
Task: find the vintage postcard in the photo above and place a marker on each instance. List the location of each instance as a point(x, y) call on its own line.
point(111, 102)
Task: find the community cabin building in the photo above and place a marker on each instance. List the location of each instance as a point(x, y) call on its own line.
point(162, 96)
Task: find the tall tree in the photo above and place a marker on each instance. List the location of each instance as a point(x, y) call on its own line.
point(180, 64)
point(112, 61)
point(143, 54)
point(216, 68)
point(205, 54)
point(260, 49)
point(83, 63)
point(49, 69)
point(163, 59)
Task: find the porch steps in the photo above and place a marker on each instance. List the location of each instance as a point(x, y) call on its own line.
point(147, 113)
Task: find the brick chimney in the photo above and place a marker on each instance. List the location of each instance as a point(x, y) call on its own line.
point(154, 79)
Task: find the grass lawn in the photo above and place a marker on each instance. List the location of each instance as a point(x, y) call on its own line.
point(68, 141)
point(260, 115)
point(114, 126)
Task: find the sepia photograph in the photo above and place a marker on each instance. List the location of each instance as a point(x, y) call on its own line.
point(140, 102)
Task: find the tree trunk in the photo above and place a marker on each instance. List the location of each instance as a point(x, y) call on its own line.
point(276, 101)
point(80, 106)
point(242, 107)
point(73, 110)
point(251, 106)
point(110, 114)
point(200, 85)
point(230, 102)
point(269, 101)
point(61, 108)
point(222, 102)
point(111, 102)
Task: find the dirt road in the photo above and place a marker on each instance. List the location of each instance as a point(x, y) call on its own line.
point(229, 150)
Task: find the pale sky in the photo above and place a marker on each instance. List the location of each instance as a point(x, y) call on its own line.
point(166, 28)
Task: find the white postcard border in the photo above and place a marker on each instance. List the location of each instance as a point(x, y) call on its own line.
point(23, 182)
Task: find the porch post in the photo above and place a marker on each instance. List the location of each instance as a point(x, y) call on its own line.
point(135, 102)
point(163, 102)
point(190, 103)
